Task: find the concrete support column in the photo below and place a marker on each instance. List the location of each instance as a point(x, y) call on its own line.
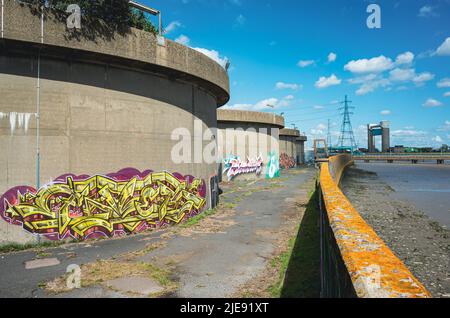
point(386, 140)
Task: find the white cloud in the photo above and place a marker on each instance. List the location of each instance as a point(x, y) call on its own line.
point(402, 75)
point(409, 74)
point(371, 85)
point(239, 21)
point(404, 58)
point(324, 82)
point(172, 26)
point(214, 55)
point(403, 133)
point(332, 57)
point(363, 79)
point(265, 104)
point(289, 97)
point(444, 49)
point(281, 85)
point(318, 107)
point(445, 82)
point(183, 39)
point(305, 63)
point(437, 139)
point(430, 102)
point(447, 94)
point(445, 127)
point(371, 73)
point(319, 130)
point(374, 65)
point(423, 77)
point(427, 11)
point(385, 112)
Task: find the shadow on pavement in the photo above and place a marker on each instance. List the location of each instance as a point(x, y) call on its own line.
point(302, 279)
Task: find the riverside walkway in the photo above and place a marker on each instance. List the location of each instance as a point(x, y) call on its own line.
point(217, 256)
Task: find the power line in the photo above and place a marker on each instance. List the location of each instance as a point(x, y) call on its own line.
point(309, 114)
point(303, 107)
point(318, 118)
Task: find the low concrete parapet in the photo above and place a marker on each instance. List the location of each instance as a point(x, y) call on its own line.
point(355, 260)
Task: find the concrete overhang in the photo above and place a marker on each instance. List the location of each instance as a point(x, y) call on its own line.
point(134, 49)
point(289, 132)
point(242, 116)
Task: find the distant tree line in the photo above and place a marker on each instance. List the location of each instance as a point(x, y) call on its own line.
point(101, 15)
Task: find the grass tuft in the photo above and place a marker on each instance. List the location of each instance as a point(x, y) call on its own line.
point(15, 247)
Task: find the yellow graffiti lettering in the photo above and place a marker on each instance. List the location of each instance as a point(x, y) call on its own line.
point(102, 204)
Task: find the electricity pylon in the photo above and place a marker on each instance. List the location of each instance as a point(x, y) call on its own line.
point(329, 134)
point(347, 138)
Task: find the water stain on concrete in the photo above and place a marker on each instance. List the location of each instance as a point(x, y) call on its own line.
point(135, 284)
point(39, 263)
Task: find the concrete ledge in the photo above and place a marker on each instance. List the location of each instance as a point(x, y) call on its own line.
point(135, 49)
point(289, 132)
point(228, 115)
point(374, 270)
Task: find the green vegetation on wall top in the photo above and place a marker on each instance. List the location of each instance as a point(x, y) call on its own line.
point(99, 17)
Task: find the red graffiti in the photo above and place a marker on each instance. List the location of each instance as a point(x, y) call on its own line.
point(287, 162)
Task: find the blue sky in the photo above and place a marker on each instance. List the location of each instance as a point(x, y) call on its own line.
point(280, 55)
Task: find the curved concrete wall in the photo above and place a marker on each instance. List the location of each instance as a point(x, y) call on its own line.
point(356, 262)
point(288, 142)
point(104, 105)
point(247, 134)
point(292, 145)
point(301, 149)
point(139, 48)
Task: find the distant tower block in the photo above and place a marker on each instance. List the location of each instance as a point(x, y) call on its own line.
point(382, 130)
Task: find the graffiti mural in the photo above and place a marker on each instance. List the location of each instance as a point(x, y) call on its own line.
point(273, 166)
point(287, 162)
point(122, 203)
point(233, 166)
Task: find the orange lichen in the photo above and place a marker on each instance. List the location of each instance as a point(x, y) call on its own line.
point(374, 269)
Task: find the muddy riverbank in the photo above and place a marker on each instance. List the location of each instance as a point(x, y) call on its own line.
point(420, 242)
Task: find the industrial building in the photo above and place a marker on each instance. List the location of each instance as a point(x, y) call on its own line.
point(382, 130)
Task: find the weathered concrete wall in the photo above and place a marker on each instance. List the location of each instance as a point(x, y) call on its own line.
point(137, 46)
point(288, 140)
point(105, 105)
point(300, 143)
point(292, 144)
point(254, 132)
point(355, 261)
point(247, 134)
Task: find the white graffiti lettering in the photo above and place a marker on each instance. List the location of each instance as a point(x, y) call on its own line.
point(234, 166)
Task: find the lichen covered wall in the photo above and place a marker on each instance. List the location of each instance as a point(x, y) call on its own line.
point(356, 262)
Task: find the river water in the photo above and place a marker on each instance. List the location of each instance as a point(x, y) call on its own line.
point(427, 186)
